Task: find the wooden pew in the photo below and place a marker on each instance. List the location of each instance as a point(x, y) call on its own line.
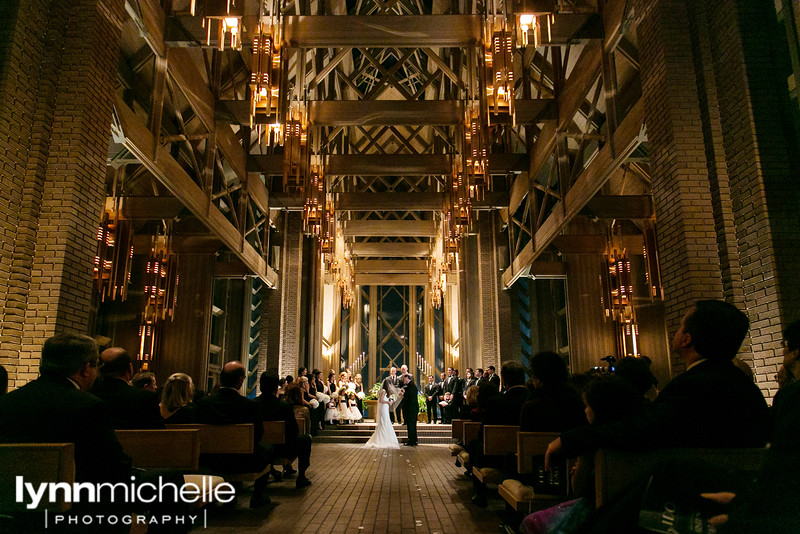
point(170, 448)
point(616, 470)
point(227, 439)
point(302, 426)
point(530, 445)
point(37, 463)
point(458, 430)
point(470, 431)
point(498, 440)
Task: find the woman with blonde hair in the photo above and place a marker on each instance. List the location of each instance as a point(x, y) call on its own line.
point(176, 399)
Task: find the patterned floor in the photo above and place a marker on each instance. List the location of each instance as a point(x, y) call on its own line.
point(363, 491)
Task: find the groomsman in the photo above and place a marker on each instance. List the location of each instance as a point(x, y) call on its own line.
point(479, 375)
point(431, 398)
point(447, 388)
point(493, 378)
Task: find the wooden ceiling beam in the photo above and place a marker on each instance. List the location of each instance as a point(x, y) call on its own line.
point(382, 31)
point(140, 142)
point(390, 250)
point(382, 112)
point(391, 279)
point(373, 228)
point(389, 201)
point(150, 208)
point(388, 165)
point(391, 266)
point(627, 137)
point(620, 207)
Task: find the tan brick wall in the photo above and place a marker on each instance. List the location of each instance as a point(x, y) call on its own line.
point(688, 246)
point(57, 97)
point(761, 149)
point(289, 295)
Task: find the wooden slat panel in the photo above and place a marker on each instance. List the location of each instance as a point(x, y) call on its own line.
point(530, 444)
point(37, 463)
point(388, 164)
point(389, 201)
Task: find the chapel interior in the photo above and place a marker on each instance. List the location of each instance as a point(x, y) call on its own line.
point(365, 183)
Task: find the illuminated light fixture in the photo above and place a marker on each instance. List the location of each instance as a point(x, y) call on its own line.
point(112, 261)
point(531, 24)
point(617, 297)
point(314, 210)
point(265, 85)
point(226, 15)
point(476, 143)
point(296, 150)
point(160, 292)
point(499, 70)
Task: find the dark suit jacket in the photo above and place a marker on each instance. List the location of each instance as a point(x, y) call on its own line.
point(469, 382)
point(52, 410)
point(457, 386)
point(227, 407)
point(271, 408)
point(711, 405)
point(553, 409)
point(410, 401)
point(495, 379)
point(504, 409)
point(131, 408)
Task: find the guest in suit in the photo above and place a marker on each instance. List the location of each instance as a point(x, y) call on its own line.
point(457, 386)
point(57, 408)
point(492, 376)
point(176, 405)
point(712, 404)
point(555, 406)
point(431, 399)
point(479, 376)
point(226, 407)
point(411, 408)
point(145, 380)
point(295, 445)
point(130, 407)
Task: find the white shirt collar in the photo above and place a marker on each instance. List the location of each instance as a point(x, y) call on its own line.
point(74, 383)
point(696, 362)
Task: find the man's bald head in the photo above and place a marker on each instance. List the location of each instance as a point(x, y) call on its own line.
point(116, 362)
point(232, 375)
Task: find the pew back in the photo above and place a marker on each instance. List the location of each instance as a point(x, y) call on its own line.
point(499, 440)
point(471, 430)
point(222, 439)
point(616, 470)
point(530, 444)
point(274, 432)
point(169, 449)
point(37, 463)
point(458, 429)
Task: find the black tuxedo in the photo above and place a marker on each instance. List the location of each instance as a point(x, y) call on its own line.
point(410, 411)
point(711, 405)
point(52, 410)
point(468, 383)
point(131, 408)
point(433, 391)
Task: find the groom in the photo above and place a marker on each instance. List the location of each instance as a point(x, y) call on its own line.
point(410, 409)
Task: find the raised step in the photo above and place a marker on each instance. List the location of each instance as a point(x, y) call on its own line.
point(361, 432)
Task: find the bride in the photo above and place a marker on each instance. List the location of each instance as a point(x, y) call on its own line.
point(384, 436)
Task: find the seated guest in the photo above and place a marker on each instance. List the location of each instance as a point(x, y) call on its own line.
point(295, 446)
point(505, 409)
point(712, 404)
point(176, 405)
point(130, 407)
point(57, 408)
point(636, 370)
point(145, 380)
point(555, 406)
point(294, 396)
point(226, 407)
point(470, 409)
point(789, 371)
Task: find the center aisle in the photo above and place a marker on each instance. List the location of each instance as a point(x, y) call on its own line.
point(358, 490)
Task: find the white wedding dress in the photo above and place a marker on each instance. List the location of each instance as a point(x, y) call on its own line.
point(384, 436)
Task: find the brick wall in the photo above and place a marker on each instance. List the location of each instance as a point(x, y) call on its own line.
point(688, 246)
point(290, 294)
point(56, 95)
point(761, 150)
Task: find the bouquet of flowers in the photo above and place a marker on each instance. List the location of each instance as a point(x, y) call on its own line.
point(314, 404)
point(323, 398)
point(392, 398)
point(360, 395)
